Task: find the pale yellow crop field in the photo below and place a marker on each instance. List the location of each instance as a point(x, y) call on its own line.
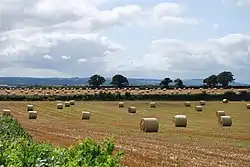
point(202, 143)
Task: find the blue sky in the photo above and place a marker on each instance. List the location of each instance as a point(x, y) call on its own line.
point(137, 38)
point(228, 17)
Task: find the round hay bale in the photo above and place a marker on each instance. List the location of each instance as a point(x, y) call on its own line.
point(72, 102)
point(187, 104)
point(59, 106)
point(202, 102)
point(32, 114)
point(67, 104)
point(131, 109)
point(180, 121)
point(225, 100)
point(248, 106)
point(152, 104)
point(121, 104)
point(198, 108)
point(30, 107)
point(220, 113)
point(225, 121)
point(149, 125)
point(6, 112)
point(85, 115)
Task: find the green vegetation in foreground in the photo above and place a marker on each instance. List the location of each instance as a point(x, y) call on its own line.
point(17, 148)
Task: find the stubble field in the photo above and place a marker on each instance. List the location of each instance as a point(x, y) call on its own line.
point(69, 91)
point(202, 143)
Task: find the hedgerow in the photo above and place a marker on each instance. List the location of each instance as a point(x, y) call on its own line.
point(103, 96)
point(17, 148)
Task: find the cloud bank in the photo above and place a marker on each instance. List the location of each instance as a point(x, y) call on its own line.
point(50, 38)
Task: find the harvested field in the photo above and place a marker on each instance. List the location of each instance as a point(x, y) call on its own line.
point(122, 91)
point(202, 143)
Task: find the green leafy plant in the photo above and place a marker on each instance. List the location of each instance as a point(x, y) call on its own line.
point(103, 96)
point(17, 148)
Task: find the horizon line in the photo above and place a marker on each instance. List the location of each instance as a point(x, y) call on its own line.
point(110, 78)
point(104, 77)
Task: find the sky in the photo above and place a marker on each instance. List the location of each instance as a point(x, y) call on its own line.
point(188, 39)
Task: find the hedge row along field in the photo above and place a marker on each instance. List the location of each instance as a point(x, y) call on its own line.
point(17, 148)
point(103, 96)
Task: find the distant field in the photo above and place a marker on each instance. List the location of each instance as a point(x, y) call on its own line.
point(202, 143)
point(122, 91)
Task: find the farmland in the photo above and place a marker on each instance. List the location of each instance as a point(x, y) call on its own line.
point(69, 91)
point(202, 143)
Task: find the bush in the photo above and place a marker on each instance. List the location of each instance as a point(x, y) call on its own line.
point(103, 96)
point(229, 93)
point(11, 129)
point(18, 149)
point(243, 92)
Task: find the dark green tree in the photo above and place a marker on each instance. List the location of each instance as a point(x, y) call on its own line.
point(119, 81)
point(224, 78)
point(165, 82)
point(96, 81)
point(211, 81)
point(179, 83)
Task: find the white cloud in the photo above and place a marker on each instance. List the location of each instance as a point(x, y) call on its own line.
point(82, 60)
point(84, 16)
point(47, 57)
point(174, 57)
point(75, 14)
point(33, 32)
point(167, 9)
point(66, 57)
point(30, 50)
point(171, 14)
point(119, 14)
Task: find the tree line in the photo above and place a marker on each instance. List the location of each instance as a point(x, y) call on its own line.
point(223, 79)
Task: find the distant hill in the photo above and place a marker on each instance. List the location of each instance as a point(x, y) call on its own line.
point(15, 81)
point(187, 82)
